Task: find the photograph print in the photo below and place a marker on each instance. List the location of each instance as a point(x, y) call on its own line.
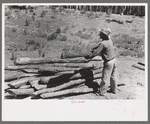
point(74, 51)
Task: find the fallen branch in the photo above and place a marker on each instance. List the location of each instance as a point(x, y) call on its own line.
point(139, 67)
point(67, 92)
point(141, 63)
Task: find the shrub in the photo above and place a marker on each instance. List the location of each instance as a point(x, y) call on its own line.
point(14, 30)
point(79, 33)
point(52, 17)
point(58, 30)
point(65, 29)
point(84, 29)
point(43, 14)
point(96, 15)
point(52, 36)
point(83, 11)
point(30, 41)
point(41, 33)
point(89, 14)
point(62, 37)
point(128, 53)
point(86, 36)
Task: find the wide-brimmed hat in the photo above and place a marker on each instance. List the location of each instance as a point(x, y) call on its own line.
point(105, 31)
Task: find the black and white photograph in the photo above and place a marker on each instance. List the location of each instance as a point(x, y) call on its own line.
point(74, 52)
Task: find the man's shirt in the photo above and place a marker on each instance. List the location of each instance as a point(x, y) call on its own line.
point(105, 49)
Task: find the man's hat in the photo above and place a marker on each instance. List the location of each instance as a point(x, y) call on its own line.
point(105, 31)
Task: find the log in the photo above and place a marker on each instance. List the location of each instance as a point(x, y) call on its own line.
point(20, 92)
point(35, 84)
point(67, 77)
point(25, 61)
point(82, 90)
point(21, 67)
point(14, 77)
point(139, 67)
point(30, 70)
point(53, 70)
point(72, 65)
point(64, 86)
point(20, 82)
point(25, 87)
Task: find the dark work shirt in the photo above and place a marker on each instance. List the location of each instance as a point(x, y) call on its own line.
point(105, 49)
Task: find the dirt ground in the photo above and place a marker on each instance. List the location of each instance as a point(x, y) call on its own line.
point(131, 81)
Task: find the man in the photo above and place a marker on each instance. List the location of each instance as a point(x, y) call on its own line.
point(106, 50)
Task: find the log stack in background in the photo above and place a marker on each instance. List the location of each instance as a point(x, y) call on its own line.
point(50, 78)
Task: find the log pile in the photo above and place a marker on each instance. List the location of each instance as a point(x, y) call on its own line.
point(51, 78)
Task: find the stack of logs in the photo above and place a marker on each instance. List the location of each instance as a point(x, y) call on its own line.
point(52, 78)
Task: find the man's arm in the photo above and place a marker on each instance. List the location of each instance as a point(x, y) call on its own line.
point(95, 52)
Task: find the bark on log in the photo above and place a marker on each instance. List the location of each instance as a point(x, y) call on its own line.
point(35, 84)
point(139, 67)
point(20, 82)
point(71, 65)
point(30, 70)
point(53, 70)
point(21, 67)
point(67, 92)
point(65, 85)
point(25, 87)
point(74, 65)
point(19, 92)
point(14, 77)
point(24, 61)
